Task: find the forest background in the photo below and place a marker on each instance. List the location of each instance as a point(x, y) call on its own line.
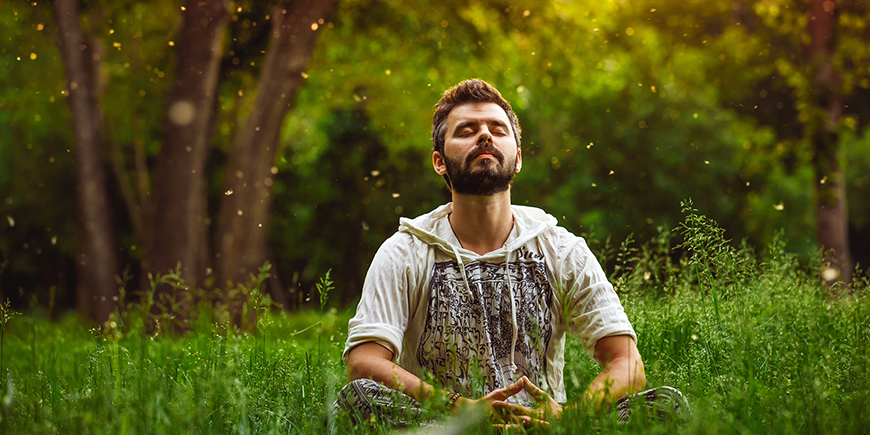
point(138, 136)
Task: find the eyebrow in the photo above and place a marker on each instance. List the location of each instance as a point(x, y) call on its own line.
point(472, 122)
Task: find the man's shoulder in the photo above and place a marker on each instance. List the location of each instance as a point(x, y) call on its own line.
point(399, 252)
point(400, 240)
point(563, 240)
point(563, 243)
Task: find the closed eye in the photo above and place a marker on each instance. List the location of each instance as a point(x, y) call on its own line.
point(465, 129)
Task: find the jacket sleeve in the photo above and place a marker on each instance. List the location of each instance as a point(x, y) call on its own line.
point(382, 314)
point(590, 308)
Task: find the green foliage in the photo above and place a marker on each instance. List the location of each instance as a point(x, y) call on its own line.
point(627, 109)
point(713, 260)
point(324, 287)
point(6, 314)
point(166, 304)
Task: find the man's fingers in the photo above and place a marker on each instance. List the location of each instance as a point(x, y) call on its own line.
point(505, 418)
point(546, 404)
point(505, 409)
point(504, 393)
point(536, 393)
point(523, 420)
point(532, 389)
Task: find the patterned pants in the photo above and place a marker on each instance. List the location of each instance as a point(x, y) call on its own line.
point(365, 400)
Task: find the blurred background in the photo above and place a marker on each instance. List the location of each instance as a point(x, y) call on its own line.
point(139, 136)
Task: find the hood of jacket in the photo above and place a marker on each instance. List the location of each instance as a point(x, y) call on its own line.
point(432, 229)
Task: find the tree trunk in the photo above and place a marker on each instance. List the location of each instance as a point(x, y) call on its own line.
point(830, 192)
point(180, 228)
point(96, 258)
point(243, 225)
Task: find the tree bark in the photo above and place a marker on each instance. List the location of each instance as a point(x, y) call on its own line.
point(179, 234)
point(830, 192)
point(96, 259)
point(243, 225)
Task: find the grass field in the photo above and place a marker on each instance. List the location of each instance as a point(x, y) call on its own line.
point(751, 338)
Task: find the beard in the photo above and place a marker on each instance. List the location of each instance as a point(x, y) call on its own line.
point(487, 179)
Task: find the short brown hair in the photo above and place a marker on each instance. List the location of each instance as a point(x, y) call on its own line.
point(468, 91)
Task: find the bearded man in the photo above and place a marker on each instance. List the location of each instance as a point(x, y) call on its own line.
point(477, 295)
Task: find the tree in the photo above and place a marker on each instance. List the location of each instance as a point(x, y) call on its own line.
point(797, 70)
point(172, 224)
point(819, 85)
point(179, 235)
point(243, 222)
point(830, 192)
point(95, 258)
point(638, 103)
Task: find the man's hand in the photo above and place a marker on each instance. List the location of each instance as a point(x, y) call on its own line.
point(498, 410)
point(547, 407)
point(371, 360)
point(506, 415)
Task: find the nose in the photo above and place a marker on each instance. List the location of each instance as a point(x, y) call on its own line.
point(484, 137)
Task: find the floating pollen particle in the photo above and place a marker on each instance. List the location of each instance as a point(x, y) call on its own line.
point(181, 112)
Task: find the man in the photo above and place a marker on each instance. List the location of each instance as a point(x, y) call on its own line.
point(480, 291)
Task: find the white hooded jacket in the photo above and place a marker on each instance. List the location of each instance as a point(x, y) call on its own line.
point(476, 323)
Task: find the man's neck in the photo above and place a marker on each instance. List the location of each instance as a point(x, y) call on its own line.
point(482, 223)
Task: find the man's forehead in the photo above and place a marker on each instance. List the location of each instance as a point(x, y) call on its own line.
point(477, 111)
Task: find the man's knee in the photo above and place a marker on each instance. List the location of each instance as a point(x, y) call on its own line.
point(355, 391)
point(361, 384)
point(666, 404)
point(366, 400)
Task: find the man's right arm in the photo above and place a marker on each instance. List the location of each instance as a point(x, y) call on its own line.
point(373, 361)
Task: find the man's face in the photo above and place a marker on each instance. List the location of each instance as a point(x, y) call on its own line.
point(480, 151)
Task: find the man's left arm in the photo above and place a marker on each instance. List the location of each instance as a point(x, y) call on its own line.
point(622, 374)
point(622, 371)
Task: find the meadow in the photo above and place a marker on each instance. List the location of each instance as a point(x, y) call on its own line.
point(751, 336)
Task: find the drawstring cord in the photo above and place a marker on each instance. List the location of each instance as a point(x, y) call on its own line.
point(462, 271)
point(513, 310)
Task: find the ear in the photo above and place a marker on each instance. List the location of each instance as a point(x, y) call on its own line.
point(438, 163)
point(519, 160)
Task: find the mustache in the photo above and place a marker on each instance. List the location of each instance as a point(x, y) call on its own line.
point(484, 148)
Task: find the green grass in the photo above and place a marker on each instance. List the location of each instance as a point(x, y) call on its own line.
point(63, 378)
point(752, 339)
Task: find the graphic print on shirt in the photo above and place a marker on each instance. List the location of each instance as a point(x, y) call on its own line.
point(464, 338)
